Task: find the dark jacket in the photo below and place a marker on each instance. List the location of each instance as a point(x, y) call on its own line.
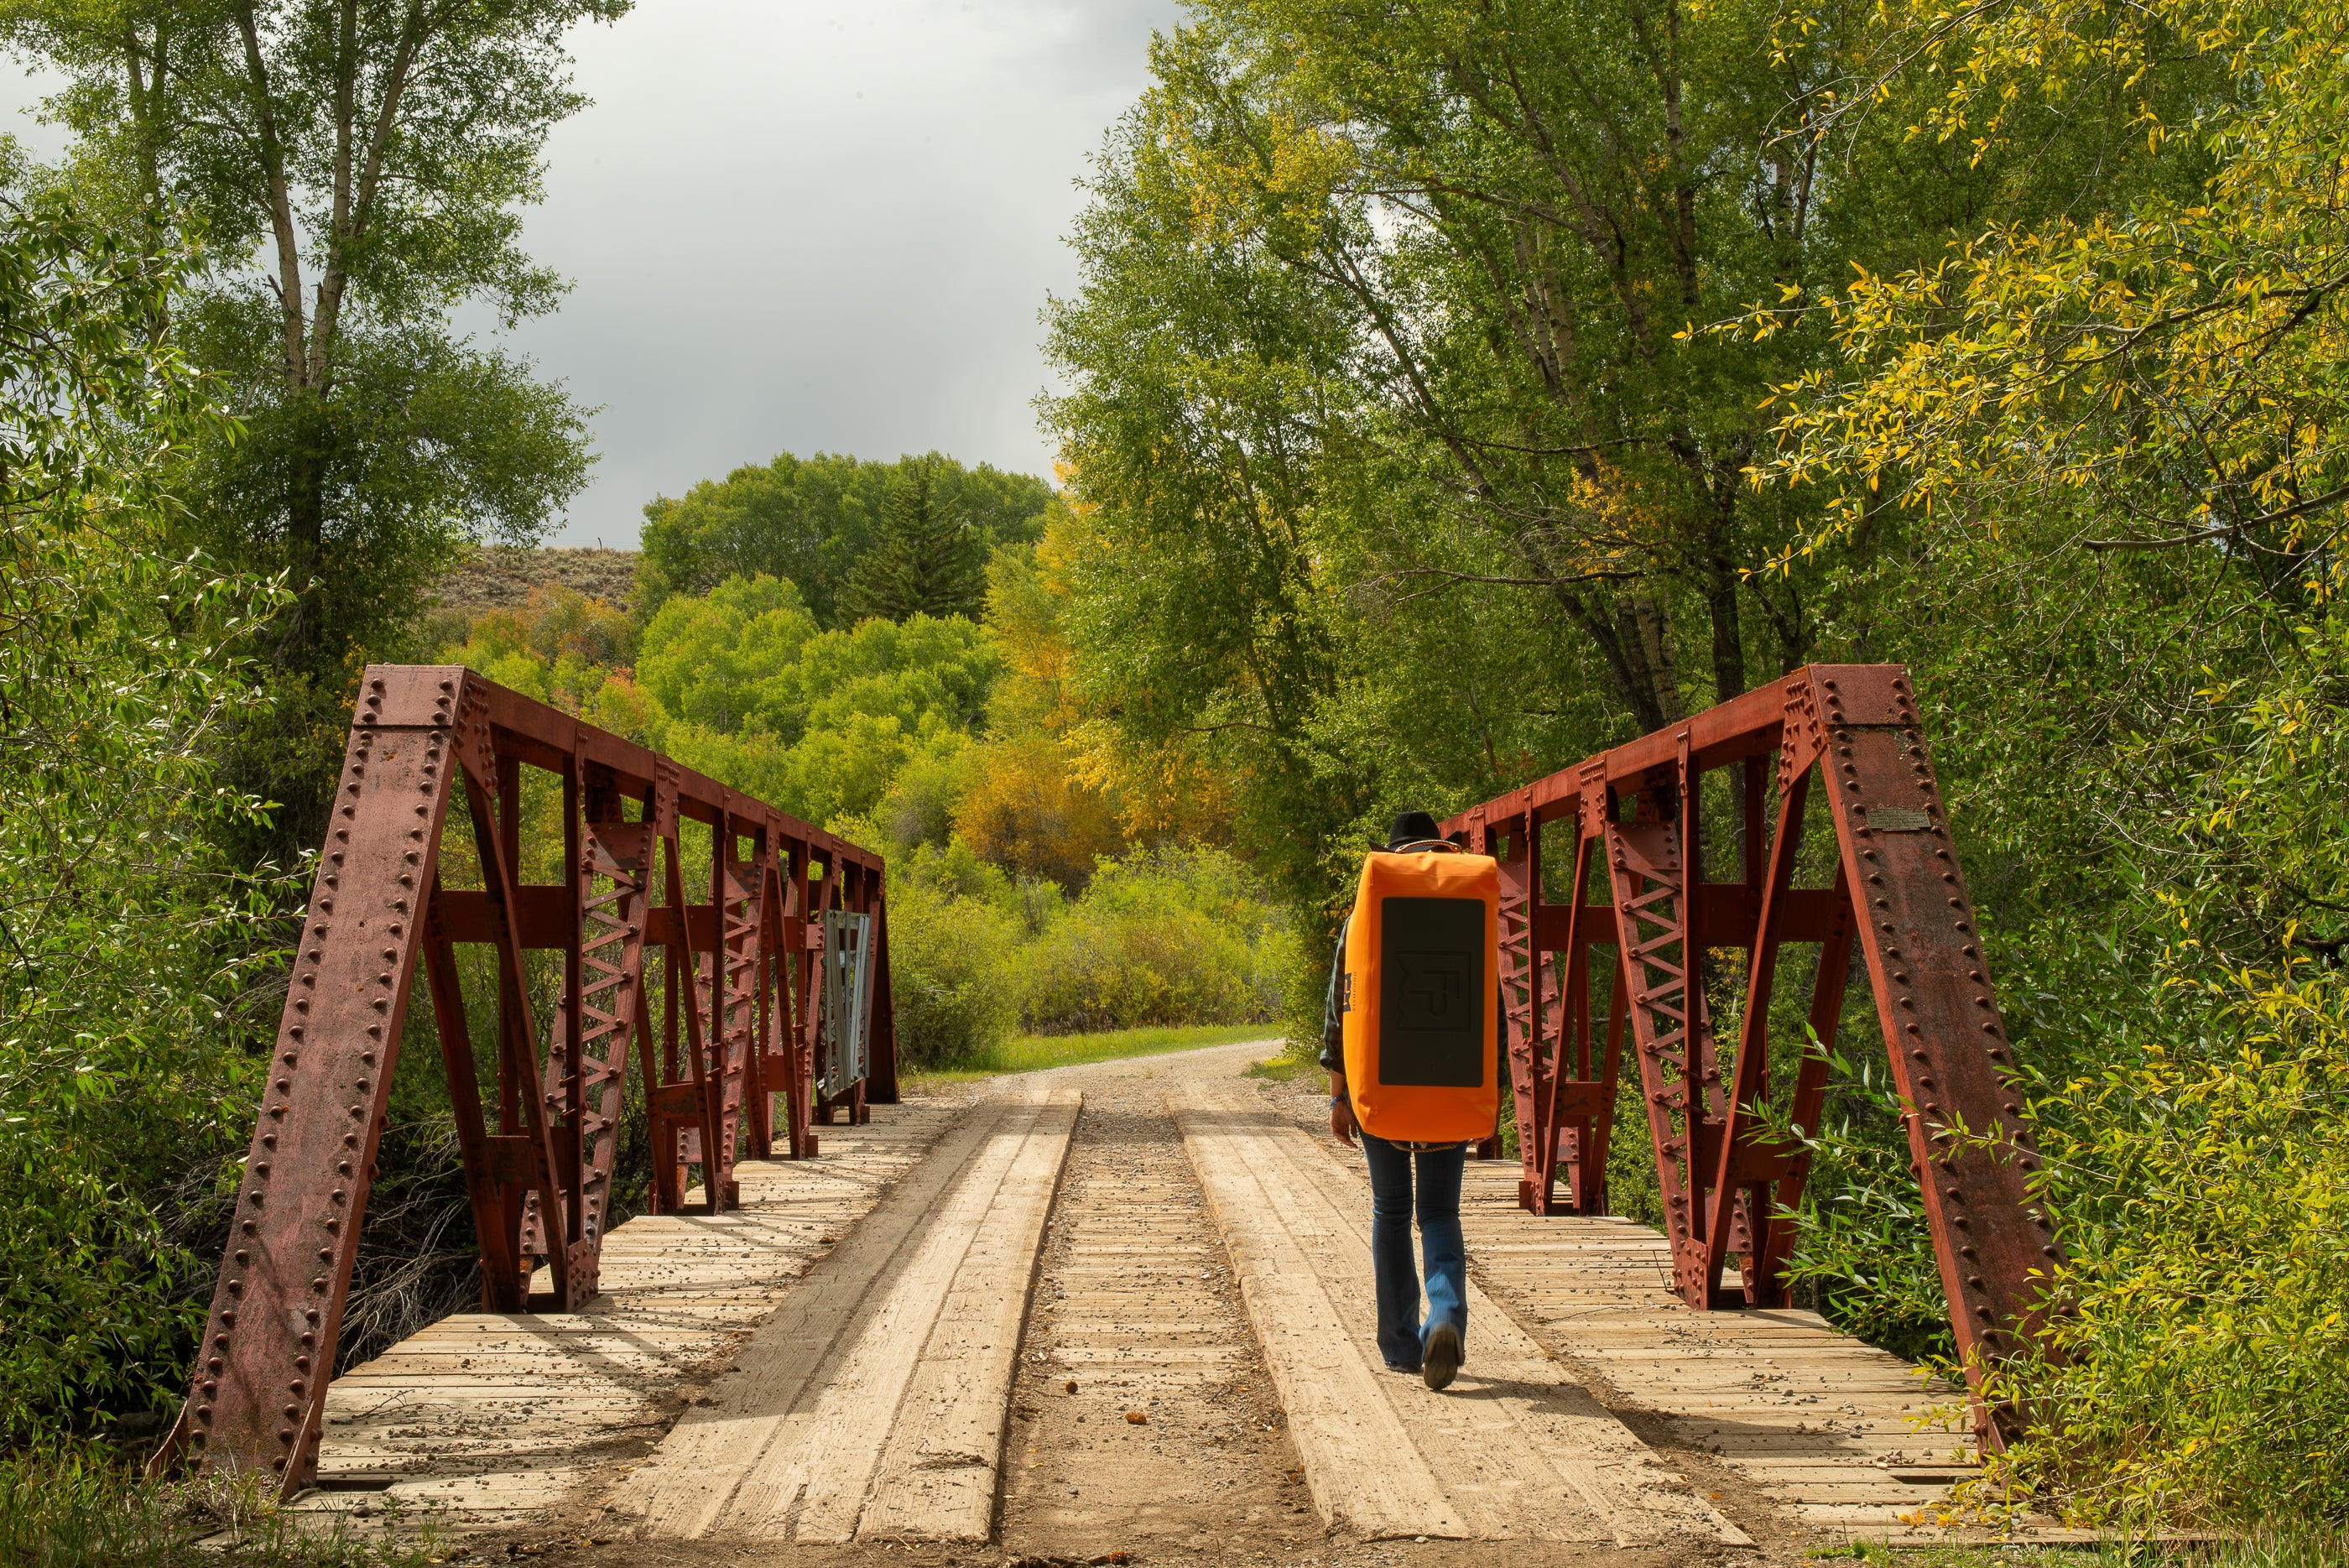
point(1333, 1006)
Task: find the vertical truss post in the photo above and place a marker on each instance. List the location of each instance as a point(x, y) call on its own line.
point(734, 968)
point(791, 1062)
point(260, 1385)
point(865, 901)
point(524, 1154)
point(1565, 1079)
point(1520, 1023)
point(880, 1082)
point(1951, 1061)
point(759, 1129)
point(827, 899)
point(1586, 1115)
point(1672, 1032)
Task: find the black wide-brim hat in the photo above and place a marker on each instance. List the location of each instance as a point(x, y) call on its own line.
point(1411, 828)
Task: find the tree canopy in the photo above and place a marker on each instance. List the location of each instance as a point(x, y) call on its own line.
point(808, 520)
point(127, 935)
point(356, 171)
point(925, 557)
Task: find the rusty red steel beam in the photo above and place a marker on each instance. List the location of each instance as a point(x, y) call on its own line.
point(1840, 748)
point(739, 971)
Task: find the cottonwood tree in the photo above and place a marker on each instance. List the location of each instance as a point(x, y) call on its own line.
point(355, 168)
point(1520, 211)
point(122, 919)
point(1517, 221)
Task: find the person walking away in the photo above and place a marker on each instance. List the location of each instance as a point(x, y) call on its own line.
point(1431, 1348)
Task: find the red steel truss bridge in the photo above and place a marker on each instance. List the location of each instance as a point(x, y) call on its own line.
point(1838, 749)
point(1679, 915)
point(773, 985)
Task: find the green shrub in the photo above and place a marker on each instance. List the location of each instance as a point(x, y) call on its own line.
point(919, 807)
point(954, 967)
point(85, 1507)
point(1172, 937)
point(2203, 1374)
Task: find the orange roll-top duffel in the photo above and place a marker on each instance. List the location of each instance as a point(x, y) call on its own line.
point(1423, 973)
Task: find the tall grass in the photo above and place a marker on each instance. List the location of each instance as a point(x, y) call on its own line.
point(87, 1507)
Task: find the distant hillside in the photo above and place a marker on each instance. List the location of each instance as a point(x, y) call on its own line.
point(501, 578)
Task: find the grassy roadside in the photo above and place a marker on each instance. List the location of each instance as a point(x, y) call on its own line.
point(2283, 1548)
point(1034, 1052)
point(1283, 1068)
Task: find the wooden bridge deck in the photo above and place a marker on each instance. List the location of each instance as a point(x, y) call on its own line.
point(1825, 1427)
point(836, 1361)
point(503, 1418)
point(1835, 1432)
point(1513, 1451)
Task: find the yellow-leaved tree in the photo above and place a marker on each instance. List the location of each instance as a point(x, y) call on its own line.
point(2102, 457)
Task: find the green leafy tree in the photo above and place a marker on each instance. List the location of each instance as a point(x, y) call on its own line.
point(729, 659)
point(808, 521)
point(2100, 450)
point(356, 169)
point(742, 686)
point(123, 929)
point(1196, 619)
point(925, 557)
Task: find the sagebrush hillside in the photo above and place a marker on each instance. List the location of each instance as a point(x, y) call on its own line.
point(502, 577)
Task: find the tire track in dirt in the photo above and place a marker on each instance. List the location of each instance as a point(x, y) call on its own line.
point(1137, 1307)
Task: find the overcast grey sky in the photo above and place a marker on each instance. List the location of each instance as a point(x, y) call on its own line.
point(796, 227)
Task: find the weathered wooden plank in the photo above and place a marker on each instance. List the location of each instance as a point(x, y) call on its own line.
point(702, 1464)
point(1807, 1411)
point(937, 1477)
point(452, 1416)
point(800, 1444)
point(1515, 1451)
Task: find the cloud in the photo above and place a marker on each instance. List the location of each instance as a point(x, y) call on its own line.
point(794, 226)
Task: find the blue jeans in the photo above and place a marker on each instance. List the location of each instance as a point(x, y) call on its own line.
point(1402, 1337)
